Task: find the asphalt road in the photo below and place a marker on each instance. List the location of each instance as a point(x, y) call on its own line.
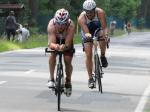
point(126, 82)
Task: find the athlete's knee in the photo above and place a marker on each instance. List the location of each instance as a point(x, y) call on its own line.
point(68, 68)
point(52, 58)
point(68, 62)
point(68, 59)
point(88, 53)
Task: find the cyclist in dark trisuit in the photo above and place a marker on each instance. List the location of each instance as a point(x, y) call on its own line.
point(61, 27)
point(89, 20)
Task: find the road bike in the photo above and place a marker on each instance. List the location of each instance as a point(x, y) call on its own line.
point(59, 81)
point(98, 70)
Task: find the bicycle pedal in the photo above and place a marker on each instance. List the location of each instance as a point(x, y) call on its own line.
point(62, 90)
point(68, 92)
point(55, 92)
point(92, 87)
point(53, 89)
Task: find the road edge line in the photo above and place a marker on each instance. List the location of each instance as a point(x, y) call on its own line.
point(143, 100)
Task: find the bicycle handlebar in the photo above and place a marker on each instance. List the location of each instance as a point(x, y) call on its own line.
point(47, 50)
point(95, 33)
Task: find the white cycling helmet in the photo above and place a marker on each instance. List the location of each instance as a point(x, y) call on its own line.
point(61, 16)
point(89, 5)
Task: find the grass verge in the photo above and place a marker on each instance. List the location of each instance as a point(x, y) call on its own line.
point(7, 46)
point(40, 40)
point(33, 42)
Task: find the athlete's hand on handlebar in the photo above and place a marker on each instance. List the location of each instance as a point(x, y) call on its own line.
point(57, 47)
point(88, 35)
point(106, 39)
point(61, 47)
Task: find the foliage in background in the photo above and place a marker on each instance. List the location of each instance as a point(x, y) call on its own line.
point(141, 22)
point(37, 13)
point(124, 9)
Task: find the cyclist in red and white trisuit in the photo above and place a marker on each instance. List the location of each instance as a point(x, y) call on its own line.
point(89, 20)
point(61, 27)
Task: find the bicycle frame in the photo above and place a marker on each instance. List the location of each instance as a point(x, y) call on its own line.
point(59, 83)
point(98, 65)
point(59, 80)
point(59, 88)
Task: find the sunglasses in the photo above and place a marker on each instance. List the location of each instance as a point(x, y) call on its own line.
point(89, 11)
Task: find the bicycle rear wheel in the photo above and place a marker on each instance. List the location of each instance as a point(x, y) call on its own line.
point(98, 72)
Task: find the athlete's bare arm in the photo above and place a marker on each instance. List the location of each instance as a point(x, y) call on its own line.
point(102, 17)
point(82, 23)
point(52, 36)
point(70, 34)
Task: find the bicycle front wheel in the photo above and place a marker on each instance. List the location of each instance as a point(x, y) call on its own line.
point(58, 86)
point(98, 72)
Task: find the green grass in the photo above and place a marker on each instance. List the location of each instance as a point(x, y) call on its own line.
point(140, 30)
point(148, 111)
point(34, 41)
point(40, 40)
point(77, 39)
point(6, 46)
point(148, 106)
point(118, 32)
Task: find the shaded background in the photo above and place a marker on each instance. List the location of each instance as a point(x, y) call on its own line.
point(37, 13)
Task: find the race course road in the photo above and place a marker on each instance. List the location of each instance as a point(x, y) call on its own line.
point(126, 81)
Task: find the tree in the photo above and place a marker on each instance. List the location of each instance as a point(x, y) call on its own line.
point(124, 9)
point(33, 5)
point(144, 11)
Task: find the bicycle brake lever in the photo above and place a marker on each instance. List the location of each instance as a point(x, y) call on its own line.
point(45, 51)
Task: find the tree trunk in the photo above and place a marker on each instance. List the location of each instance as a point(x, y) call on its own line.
point(145, 12)
point(33, 5)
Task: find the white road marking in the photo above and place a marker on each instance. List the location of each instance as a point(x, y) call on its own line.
point(2, 82)
point(143, 100)
point(29, 71)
